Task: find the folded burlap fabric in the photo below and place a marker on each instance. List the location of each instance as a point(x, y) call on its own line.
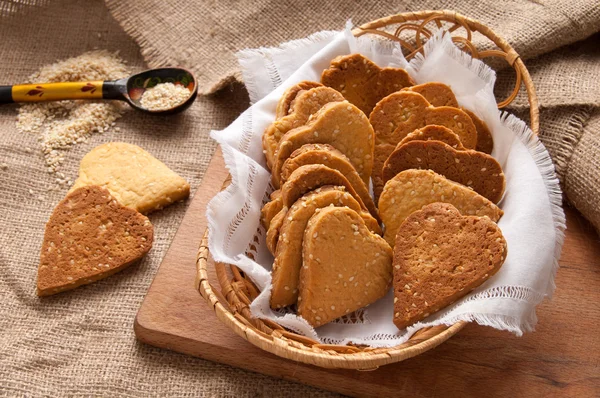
point(565, 77)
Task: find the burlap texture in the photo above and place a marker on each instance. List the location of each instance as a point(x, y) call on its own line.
point(82, 343)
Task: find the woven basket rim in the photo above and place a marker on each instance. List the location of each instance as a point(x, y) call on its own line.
point(231, 302)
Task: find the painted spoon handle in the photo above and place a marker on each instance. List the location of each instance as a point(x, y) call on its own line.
point(40, 92)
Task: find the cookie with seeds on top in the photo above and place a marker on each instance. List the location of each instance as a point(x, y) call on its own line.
point(286, 102)
point(311, 176)
point(401, 113)
point(410, 190)
point(328, 156)
point(305, 104)
point(476, 170)
point(362, 82)
point(344, 266)
point(339, 124)
point(89, 237)
point(288, 253)
point(270, 209)
point(439, 257)
point(439, 94)
point(434, 133)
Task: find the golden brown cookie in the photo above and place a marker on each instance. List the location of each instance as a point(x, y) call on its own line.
point(273, 229)
point(401, 113)
point(329, 156)
point(305, 104)
point(133, 177)
point(412, 189)
point(439, 257)
point(344, 266)
point(485, 142)
point(436, 133)
point(339, 124)
point(90, 236)
point(288, 254)
point(362, 82)
point(476, 170)
point(437, 94)
point(284, 106)
point(270, 209)
point(312, 176)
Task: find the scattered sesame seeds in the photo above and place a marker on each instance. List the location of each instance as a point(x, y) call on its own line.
point(164, 96)
point(62, 124)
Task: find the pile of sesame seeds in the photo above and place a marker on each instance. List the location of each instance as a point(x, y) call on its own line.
point(164, 96)
point(60, 125)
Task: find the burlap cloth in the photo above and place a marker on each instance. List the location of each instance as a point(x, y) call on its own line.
point(82, 342)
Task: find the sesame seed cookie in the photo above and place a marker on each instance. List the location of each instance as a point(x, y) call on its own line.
point(89, 237)
point(305, 104)
point(286, 102)
point(288, 253)
point(271, 208)
point(399, 114)
point(476, 170)
point(412, 189)
point(439, 257)
point(362, 82)
point(435, 133)
point(339, 124)
point(439, 94)
point(344, 266)
point(329, 156)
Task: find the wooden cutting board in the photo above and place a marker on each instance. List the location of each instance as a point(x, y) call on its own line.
point(561, 358)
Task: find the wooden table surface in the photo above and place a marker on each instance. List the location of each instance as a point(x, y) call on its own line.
point(561, 358)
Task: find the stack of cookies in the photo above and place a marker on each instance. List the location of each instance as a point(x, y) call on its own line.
point(430, 226)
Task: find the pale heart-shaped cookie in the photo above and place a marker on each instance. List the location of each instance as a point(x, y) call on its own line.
point(401, 113)
point(434, 133)
point(474, 169)
point(286, 101)
point(90, 236)
point(439, 257)
point(344, 266)
point(311, 176)
point(305, 104)
point(339, 124)
point(133, 176)
point(439, 94)
point(362, 82)
point(328, 156)
point(412, 189)
point(288, 253)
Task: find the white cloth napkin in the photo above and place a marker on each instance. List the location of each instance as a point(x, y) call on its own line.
point(533, 222)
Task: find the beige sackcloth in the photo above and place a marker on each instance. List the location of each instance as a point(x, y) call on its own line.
point(81, 343)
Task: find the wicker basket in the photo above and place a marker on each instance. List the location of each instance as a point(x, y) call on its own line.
point(231, 302)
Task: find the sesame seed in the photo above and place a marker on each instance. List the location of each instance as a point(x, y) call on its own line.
point(164, 96)
point(351, 279)
point(333, 307)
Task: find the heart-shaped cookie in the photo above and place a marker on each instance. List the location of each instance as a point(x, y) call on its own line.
point(288, 253)
point(339, 124)
point(412, 189)
point(474, 169)
point(285, 104)
point(328, 156)
point(439, 257)
point(311, 176)
point(434, 133)
point(344, 266)
point(362, 82)
point(133, 176)
point(90, 236)
point(401, 113)
point(305, 104)
point(439, 94)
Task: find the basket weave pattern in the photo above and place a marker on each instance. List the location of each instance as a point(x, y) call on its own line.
point(231, 302)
